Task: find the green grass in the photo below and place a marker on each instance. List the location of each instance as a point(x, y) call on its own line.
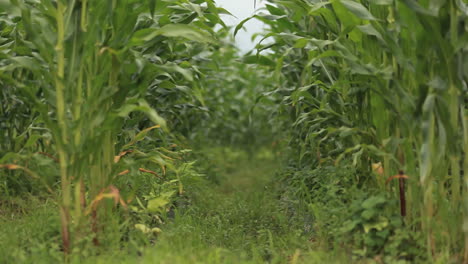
point(29, 231)
point(238, 220)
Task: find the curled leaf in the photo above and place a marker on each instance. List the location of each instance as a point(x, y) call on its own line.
point(149, 171)
point(398, 176)
point(121, 154)
point(110, 192)
point(124, 172)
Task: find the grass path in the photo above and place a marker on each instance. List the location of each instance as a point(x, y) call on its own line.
point(238, 221)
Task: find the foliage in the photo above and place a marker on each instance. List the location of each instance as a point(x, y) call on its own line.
point(83, 70)
point(102, 101)
point(232, 95)
point(377, 231)
point(380, 81)
point(337, 214)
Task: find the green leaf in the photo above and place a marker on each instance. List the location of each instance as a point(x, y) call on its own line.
point(373, 202)
point(146, 230)
point(418, 8)
point(143, 228)
point(301, 43)
point(368, 214)
point(152, 6)
point(241, 24)
point(171, 31)
point(358, 9)
point(370, 30)
point(32, 140)
point(145, 108)
point(140, 136)
point(348, 226)
point(262, 60)
point(185, 31)
point(382, 2)
point(172, 67)
point(157, 205)
point(378, 225)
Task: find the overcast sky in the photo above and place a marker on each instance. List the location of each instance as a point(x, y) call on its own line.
point(242, 9)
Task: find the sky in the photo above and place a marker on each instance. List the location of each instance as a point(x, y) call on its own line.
point(242, 9)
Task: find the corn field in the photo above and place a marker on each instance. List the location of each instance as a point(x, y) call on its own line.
point(346, 128)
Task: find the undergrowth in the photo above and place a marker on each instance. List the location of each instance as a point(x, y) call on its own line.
point(364, 222)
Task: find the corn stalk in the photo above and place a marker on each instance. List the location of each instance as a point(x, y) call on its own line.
point(381, 81)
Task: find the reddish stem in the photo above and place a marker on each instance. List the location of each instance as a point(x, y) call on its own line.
point(402, 195)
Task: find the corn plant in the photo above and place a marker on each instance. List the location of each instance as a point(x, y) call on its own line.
point(85, 66)
point(381, 81)
point(233, 110)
